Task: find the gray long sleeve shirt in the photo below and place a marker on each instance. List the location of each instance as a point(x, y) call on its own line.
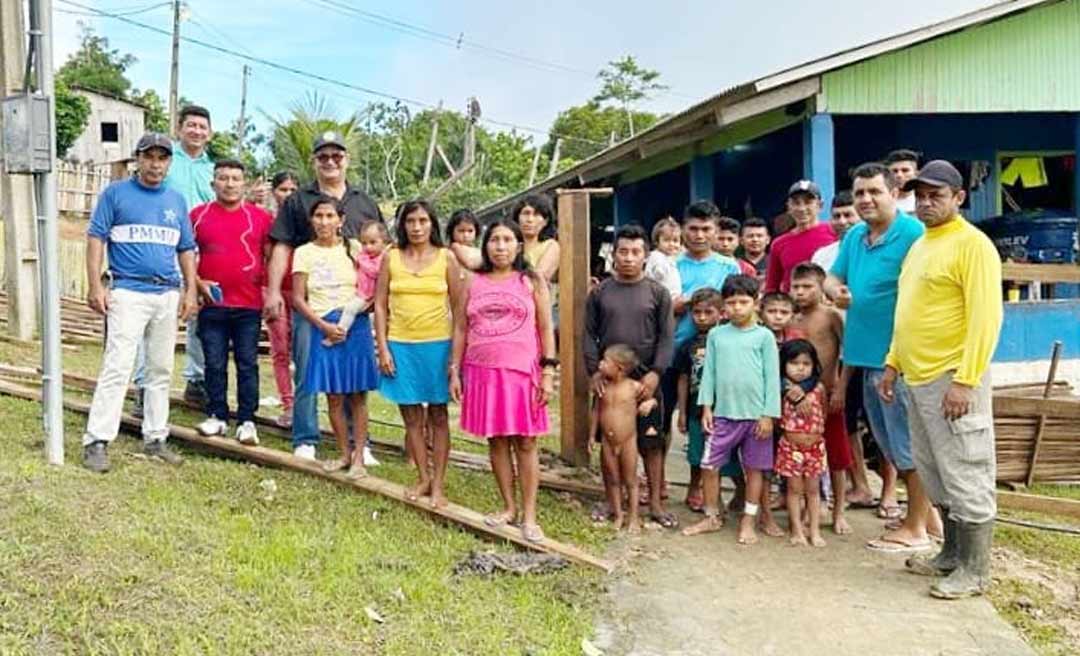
point(638, 314)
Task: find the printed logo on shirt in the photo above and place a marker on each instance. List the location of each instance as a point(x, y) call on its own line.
point(170, 217)
point(504, 313)
point(139, 233)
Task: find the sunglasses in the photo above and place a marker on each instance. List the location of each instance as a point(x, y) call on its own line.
point(336, 158)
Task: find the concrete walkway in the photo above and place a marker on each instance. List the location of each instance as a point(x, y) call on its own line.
point(707, 596)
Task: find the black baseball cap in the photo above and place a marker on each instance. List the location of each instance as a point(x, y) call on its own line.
point(937, 173)
point(154, 140)
point(804, 187)
point(329, 138)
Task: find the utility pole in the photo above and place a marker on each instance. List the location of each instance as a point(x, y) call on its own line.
point(470, 132)
point(555, 157)
point(242, 124)
point(535, 166)
point(432, 143)
point(52, 397)
point(17, 191)
point(174, 72)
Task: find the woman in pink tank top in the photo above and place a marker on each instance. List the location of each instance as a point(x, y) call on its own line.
point(503, 368)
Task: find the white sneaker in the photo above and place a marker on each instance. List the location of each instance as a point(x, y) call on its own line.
point(305, 451)
point(212, 426)
point(247, 434)
point(370, 460)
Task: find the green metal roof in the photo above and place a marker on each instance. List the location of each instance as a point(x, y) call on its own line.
point(1024, 62)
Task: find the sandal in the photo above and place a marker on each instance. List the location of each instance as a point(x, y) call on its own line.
point(331, 466)
point(600, 513)
point(532, 533)
point(667, 520)
point(495, 520)
point(695, 502)
point(892, 545)
point(889, 512)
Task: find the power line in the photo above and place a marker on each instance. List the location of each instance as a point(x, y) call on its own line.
point(316, 76)
point(459, 41)
point(118, 12)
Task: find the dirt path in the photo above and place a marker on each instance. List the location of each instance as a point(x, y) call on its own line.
point(705, 595)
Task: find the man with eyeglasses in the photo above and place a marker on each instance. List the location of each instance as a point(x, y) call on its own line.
point(292, 229)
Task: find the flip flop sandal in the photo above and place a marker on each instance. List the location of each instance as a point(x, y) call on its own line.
point(884, 545)
point(874, 503)
point(889, 512)
point(335, 465)
point(696, 503)
point(667, 520)
point(532, 533)
point(600, 513)
point(497, 519)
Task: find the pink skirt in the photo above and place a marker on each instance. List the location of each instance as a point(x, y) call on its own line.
point(500, 402)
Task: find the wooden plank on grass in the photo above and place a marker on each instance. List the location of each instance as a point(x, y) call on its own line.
point(466, 517)
point(1016, 406)
point(1038, 503)
point(462, 459)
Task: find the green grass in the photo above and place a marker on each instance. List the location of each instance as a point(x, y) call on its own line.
point(1015, 600)
point(1062, 491)
point(198, 559)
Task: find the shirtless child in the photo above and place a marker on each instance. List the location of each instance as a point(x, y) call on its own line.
point(824, 328)
point(621, 419)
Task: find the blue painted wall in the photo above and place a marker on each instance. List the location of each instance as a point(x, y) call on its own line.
point(646, 201)
point(1029, 330)
point(752, 179)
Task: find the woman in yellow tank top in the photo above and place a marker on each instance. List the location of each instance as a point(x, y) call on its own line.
point(417, 285)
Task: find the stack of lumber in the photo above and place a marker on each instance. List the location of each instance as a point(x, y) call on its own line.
point(81, 325)
point(1027, 454)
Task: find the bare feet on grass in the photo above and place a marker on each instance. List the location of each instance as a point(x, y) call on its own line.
point(421, 489)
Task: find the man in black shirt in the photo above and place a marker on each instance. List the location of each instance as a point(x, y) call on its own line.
point(292, 229)
point(630, 309)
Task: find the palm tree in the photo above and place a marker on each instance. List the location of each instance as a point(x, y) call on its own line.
point(293, 136)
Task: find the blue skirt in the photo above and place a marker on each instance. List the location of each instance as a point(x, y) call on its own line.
point(345, 368)
point(420, 375)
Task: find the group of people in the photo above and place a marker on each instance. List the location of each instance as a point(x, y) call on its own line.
point(772, 355)
point(777, 357)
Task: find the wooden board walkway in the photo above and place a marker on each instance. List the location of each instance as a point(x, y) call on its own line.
point(465, 517)
point(473, 461)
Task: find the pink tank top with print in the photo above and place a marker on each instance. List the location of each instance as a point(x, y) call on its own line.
point(502, 325)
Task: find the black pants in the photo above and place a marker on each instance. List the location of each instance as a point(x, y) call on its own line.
point(220, 328)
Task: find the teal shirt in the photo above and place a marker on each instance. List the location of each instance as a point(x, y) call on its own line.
point(191, 177)
point(741, 376)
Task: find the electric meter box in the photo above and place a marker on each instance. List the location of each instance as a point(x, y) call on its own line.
point(27, 144)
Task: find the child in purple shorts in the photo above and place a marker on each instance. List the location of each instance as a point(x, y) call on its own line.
point(740, 397)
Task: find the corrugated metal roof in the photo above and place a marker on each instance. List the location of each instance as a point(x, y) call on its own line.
point(608, 160)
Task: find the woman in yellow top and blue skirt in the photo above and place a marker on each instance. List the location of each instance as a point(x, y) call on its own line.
point(417, 284)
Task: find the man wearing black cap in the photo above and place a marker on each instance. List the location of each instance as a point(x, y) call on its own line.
point(292, 229)
point(948, 316)
point(801, 242)
point(146, 230)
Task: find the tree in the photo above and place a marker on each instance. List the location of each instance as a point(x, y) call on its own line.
point(156, 116)
point(95, 67)
point(293, 136)
point(626, 83)
point(72, 113)
point(587, 129)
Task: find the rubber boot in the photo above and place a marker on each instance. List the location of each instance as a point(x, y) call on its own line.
point(972, 577)
point(945, 561)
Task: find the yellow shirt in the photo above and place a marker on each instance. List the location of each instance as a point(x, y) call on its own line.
point(419, 302)
point(331, 274)
point(949, 308)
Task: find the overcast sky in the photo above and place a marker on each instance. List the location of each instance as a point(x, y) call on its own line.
point(554, 47)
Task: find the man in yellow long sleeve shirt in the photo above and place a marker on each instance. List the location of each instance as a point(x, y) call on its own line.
point(948, 316)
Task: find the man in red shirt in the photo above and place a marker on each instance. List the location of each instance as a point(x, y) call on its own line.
point(801, 242)
point(232, 236)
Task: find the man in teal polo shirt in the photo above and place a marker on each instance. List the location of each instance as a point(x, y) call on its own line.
point(190, 174)
point(864, 280)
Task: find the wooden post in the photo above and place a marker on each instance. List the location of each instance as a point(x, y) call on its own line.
point(1040, 427)
point(20, 228)
point(573, 219)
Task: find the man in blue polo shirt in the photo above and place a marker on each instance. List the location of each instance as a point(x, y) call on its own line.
point(864, 280)
point(146, 231)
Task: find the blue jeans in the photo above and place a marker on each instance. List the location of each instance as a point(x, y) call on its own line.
point(889, 421)
point(305, 427)
point(220, 327)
